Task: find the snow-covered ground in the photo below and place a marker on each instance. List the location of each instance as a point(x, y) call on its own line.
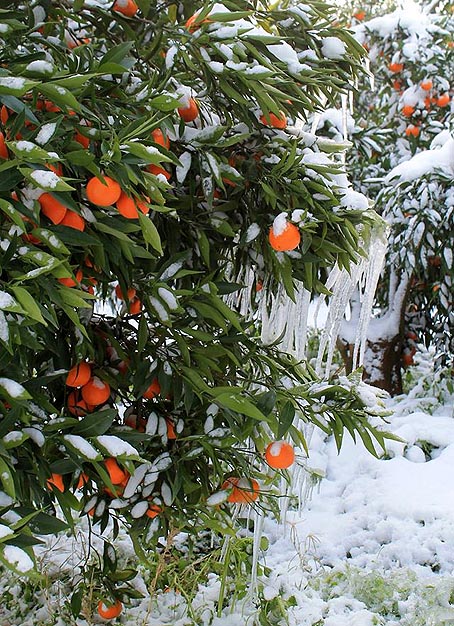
point(374, 545)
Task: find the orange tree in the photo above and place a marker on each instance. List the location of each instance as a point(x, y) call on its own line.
point(401, 151)
point(145, 154)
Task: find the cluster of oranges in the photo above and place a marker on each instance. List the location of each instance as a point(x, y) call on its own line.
point(89, 391)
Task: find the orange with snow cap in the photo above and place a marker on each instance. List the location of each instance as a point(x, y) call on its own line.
point(279, 455)
point(96, 391)
point(284, 236)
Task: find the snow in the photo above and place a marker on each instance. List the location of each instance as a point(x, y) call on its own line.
point(424, 163)
point(116, 447)
point(333, 48)
point(41, 67)
point(83, 446)
point(280, 224)
point(12, 387)
point(45, 133)
point(44, 179)
point(18, 558)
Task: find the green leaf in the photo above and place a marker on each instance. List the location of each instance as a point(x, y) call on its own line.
point(286, 417)
point(236, 402)
point(28, 303)
point(95, 424)
point(6, 477)
point(61, 96)
point(150, 232)
point(16, 85)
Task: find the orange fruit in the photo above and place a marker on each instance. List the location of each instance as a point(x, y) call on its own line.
point(289, 239)
point(191, 25)
point(73, 220)
point(77, 405)
point(135, 306)
point(83, 480)
point(359, 15)
point(112, 610)
point(56, 480)
point(412, 130)
point(243, 490)
point(3, 148)
point(189, 112)
point(153, 510)
point(408, 110)
point(397, 84)
point(407, 359)
point(153, 390)
point(103, 193)
point(275, 121)
point(56, 168)
point(84, 141)
point(70, 282)
point(126, 7)
point(171, 434)
point(157, 169)
point(4, 115)
point(160, 138)
point(427, 102)
point(443, 100)
point(395, 67)
point(79, 375)
point(130, 294)
point(128, 206)
point(52, 208)
point(96, 391)
point(426, 85)
point(116, 474)
point(279, 454)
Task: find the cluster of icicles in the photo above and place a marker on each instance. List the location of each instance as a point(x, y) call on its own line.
point(280, 316)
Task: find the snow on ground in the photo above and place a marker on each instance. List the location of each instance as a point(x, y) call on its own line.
point(374, 545)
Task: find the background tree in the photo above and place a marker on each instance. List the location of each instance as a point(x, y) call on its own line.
point(147, 150)
point(402, 157)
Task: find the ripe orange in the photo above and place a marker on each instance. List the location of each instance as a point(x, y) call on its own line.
point(408, 110)
point(116, 474)
point(4, 115)
point(135, 306)
point(128, 206)
point(426, 85)
point(395, 67)
point(153, 390)
point(360, 15)
point(112, 610)
point(153, 510)
point(189, 112)
point(73, 220)
point(3, 148)
point(83, 480)
point(157, 169)
point(70, 282)
point(443, 100)
point(103, 193)
point(56, 168)
point(160, 138)
point(77, 405)
point(130, 294)
point(52, 208)
point(171, 434)
point(96, 391)
point(56, 480)
point(397, 84)
point(412, 130)
point(279, 454)
point(84, 141)
point(191, 26)
point(243, 490)
point(275, 121)
point(79, 375)
point(407, 359)
point(126, 7)
point(289, 239)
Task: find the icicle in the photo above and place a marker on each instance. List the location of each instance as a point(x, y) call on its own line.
point(259, 519)
point(344, 100)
